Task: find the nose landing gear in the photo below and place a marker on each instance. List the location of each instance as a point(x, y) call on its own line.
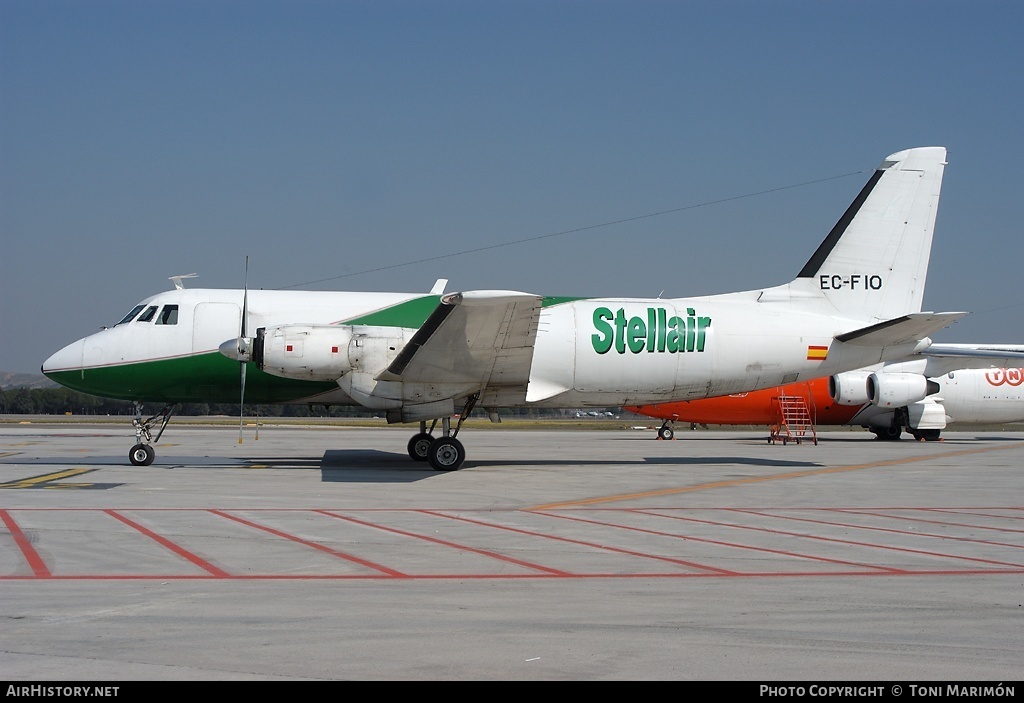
point(142, 454)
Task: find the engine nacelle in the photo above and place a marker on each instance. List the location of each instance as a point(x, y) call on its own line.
point(327, 352)
point(849, 388)
point(893, 390)
point(307, 352)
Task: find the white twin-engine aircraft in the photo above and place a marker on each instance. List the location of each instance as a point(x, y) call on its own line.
point(431, 357)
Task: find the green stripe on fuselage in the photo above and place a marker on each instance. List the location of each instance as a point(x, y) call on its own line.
point(203, 378)
point(414, 313)
point(411, 313)
point(551, 300)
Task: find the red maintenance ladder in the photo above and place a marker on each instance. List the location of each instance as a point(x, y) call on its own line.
point(792, 420)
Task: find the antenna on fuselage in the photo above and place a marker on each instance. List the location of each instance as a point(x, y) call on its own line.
point(177, 279)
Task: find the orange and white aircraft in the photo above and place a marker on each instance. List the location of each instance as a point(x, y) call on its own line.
point(888, 400)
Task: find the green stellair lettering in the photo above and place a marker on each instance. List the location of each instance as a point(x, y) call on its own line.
point(654, 332)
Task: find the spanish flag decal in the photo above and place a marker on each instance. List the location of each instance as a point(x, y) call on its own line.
point(816, 353)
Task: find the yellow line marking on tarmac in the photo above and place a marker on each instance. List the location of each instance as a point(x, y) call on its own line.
point(776, 477)
point(38, 481)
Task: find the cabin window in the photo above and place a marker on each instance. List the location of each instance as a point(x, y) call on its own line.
point(168, 316)
point(148, 315)
point(130, 316)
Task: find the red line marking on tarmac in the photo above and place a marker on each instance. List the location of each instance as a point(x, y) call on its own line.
point(314, 545)
point(826, 539)
point(890, 530)
point(40, 570)
point(975, 512)
point(734, 545)
point(602, 547)
point(163, 541)
point(446, 543)
point(907, 518)
point(35, 561)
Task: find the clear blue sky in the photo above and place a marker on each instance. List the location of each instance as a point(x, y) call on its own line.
point(528, 145)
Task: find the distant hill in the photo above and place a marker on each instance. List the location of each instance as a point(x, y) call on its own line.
point(9, 379)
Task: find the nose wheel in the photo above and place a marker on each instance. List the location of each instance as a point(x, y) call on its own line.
point(142, 455)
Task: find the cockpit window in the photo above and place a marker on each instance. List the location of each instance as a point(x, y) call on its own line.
point(168, 316)
point(130, 316)
point(148, 315)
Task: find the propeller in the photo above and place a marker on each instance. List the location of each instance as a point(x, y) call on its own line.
point(243, 349)
point(240, 349)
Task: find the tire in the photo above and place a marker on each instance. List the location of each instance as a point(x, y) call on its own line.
point(419, 446)
point(142, 455)
point(665, 432)
point(446, 454)
point(888, 434)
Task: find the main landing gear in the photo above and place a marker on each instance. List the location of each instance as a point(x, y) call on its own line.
point(444, 453)
point(666, 431)
point(894, 433)
point(142, 454)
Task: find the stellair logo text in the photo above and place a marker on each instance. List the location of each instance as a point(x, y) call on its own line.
point(658, 332)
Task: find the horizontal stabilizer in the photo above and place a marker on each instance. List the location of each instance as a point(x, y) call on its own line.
point(901, 330)
point(943, 358)
point(1005, 353)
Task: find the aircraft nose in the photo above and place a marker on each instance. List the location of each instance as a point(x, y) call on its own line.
point(67, 359)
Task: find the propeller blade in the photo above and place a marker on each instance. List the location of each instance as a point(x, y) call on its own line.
point(241, 410)
point(243, 340)
point(245, 299)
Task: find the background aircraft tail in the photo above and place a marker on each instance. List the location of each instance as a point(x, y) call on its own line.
point(874, 262)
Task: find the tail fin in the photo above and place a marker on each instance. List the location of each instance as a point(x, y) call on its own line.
point(874, 262)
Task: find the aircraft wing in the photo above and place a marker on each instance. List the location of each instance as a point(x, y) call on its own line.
point(483, 338)
point(900, 330)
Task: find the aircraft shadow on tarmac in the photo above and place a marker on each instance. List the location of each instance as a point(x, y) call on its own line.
point(337, 463)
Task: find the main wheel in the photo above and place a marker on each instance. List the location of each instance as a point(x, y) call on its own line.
point(665, 432)
point(888, 434)
point(142, 455)
point(446, 454)
point(419, 445)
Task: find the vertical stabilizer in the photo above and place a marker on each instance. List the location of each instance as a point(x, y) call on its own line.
point(874, 262)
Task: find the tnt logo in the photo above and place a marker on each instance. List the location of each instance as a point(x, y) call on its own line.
point(1010, 377)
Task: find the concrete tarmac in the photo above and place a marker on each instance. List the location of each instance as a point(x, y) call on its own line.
point(317, 553)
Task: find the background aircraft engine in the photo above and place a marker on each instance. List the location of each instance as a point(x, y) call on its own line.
point(888, 390)
point(307, 352)
point(850, 388)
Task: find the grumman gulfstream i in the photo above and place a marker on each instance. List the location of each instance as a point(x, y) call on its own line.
point(431, 357)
